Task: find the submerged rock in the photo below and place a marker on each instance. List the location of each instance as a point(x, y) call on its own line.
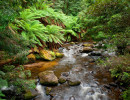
point(62, 79)
point(66, 74)
point(48, 90)
point(48, 78)
point(73, 82)
point(47, 55)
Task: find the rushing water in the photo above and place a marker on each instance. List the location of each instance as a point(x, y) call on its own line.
point(80, 67)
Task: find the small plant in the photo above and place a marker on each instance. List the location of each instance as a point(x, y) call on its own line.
point(126, 94)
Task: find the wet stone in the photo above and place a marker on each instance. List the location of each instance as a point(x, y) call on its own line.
point(48, 78)
point(87, 49)
point(72, 82)
point(48, 90)
point(72, 98)
point(66, 74)
point(62, 79)
point(113, 84)
point(77, 69)
point(107, 86)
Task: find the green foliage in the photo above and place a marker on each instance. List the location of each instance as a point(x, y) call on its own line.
point(126, 94)
point(69, 7)
point(8, 68)
point(119, 68)
point(54, 34)
point(34, 31)
point(3, 83)
point(103, 18)
point(16, 77)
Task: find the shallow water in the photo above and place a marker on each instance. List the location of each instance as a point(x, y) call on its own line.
point(80, 67)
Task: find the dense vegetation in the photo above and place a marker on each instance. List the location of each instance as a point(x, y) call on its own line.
point(47, 24)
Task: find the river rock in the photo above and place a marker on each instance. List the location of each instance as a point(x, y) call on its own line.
point(48, 78)
point(59, 55)
point(77, 69)
point(72, 43)
point(47, 55)
point(48, 90)
point(88, 45)
point(29, 95)
point(107, 86)
point(113, 84)
point(73, 82)
point(87, 49)
point(66, 74)
point(31, 58)
point(72, 98)
point(62, 79)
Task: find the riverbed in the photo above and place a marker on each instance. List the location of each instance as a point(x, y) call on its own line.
point(80, 66)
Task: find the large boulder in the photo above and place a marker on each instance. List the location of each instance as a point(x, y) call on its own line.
point(87, 49)
point(47, 55)
point(48, 78)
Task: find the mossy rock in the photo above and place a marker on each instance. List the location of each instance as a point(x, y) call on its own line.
point(87, 49)
point(48, 90)
point(29, 95)
point(72, 43)
point(62, 80)
point(31, 58)
point(47, 55)
point(88, 45)
point(73, 82)
point(36, 49)
point(59, 55)
point(48, 78)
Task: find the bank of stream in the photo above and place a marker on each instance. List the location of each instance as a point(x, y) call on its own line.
point(96, 83)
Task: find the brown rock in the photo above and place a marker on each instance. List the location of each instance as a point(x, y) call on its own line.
point(87, 49)
point(48, 78)
point(62, 79)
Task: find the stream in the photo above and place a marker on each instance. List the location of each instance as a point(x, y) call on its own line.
point(79, 66)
